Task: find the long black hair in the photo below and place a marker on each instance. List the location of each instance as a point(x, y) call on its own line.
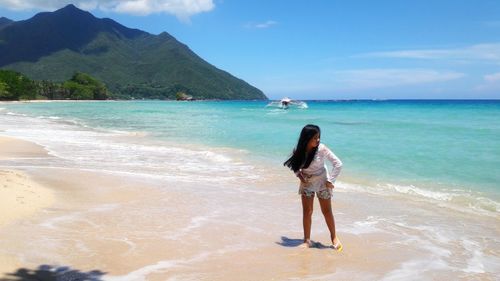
point(298, 159)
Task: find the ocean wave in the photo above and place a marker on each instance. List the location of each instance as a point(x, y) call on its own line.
point(369, 225)
point(121, 151)
point(84, 147)
point(165, 265)
point(459, 197)
point(49, 117)
point(460, 200)
point(15, 114)
point(131, 133)
point(73, 122)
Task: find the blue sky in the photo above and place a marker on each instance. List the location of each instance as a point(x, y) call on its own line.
point(321, 49)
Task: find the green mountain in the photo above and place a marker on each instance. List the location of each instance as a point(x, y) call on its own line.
point(4, 21)
point(132, 63)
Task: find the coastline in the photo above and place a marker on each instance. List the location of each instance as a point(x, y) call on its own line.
point(37, 199)
point(99, 223)
point(17, 148)
point(233, 230)
point(20, 196)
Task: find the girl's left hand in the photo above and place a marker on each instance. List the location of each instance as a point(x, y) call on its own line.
point(330, 185)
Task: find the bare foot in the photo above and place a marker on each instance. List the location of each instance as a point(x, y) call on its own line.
point(307, 244)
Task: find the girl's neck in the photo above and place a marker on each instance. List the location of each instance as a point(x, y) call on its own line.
point(311, 148)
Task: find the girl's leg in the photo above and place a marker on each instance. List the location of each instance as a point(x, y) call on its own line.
point(326, 209)
point(307, 211)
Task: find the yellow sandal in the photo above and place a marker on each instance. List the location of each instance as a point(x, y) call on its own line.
point(338, 247)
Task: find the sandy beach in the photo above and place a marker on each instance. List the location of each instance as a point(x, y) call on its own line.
point(118, 227)
point(202, 140)
point(20, 196)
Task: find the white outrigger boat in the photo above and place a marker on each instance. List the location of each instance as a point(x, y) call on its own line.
point(286, 103)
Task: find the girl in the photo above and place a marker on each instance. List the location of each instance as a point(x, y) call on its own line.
point(308, 164)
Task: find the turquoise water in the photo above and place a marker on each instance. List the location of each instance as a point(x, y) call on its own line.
point(444, 145)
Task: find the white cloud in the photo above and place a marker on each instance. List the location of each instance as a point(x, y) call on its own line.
point(491, 82)
point(266, 24)
point(356, 81)
point(382, 78)
point(495, 77)
point(88, 5)
point(182, 9)
point(489, 53)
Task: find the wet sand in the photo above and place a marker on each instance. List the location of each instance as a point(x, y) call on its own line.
point(16, 148)
point(131, 228)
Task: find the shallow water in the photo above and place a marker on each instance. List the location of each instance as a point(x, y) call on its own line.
point(408, 195)
point(447, 151)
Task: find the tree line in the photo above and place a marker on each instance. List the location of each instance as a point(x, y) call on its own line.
point(81, 86)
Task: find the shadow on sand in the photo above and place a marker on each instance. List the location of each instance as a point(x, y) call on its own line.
point(53, 273)
point(289, 242)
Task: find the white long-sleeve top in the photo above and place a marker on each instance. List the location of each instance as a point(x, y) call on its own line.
point(318, 164)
